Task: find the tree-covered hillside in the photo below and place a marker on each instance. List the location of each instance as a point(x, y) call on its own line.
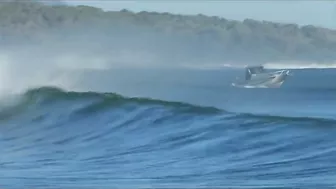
point(197, 36)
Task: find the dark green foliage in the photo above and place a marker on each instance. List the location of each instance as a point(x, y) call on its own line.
point(214, 37)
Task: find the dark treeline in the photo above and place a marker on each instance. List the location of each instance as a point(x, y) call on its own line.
point(182, 37)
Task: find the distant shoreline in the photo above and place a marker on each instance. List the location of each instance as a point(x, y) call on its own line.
point(184, 36)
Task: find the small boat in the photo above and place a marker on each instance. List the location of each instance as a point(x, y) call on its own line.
point(257, 77)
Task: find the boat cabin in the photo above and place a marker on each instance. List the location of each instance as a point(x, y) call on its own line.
point(253, 70)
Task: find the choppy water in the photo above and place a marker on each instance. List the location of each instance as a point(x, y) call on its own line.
point(143, 129)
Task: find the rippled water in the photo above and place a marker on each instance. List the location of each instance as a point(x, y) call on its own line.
point(172, 129)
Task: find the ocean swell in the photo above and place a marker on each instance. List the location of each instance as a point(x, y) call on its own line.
point(54, 138)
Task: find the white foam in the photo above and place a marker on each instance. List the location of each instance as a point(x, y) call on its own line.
point(299, 65)
point(212, 66)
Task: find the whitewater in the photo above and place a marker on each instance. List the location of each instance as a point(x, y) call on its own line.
point(88, 124)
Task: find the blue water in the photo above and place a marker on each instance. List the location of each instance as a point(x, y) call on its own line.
point(172, 128)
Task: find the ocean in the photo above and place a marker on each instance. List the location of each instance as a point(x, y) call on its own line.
point(171, 128)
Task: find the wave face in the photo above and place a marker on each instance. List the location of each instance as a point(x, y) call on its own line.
point(213, 136)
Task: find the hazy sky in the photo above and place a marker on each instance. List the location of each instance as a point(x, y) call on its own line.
point(315, 12)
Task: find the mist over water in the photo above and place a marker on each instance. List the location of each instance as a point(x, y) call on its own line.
point(68, 58)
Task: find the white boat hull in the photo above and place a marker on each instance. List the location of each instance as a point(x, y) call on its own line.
point(264, 80)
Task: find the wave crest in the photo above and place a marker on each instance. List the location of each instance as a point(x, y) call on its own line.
point(53, 94)
point(95, 103)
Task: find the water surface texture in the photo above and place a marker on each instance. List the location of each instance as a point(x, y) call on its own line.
point(170, 128)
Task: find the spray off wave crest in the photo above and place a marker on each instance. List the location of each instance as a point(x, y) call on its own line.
point(21, 70)
point(63, 56)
